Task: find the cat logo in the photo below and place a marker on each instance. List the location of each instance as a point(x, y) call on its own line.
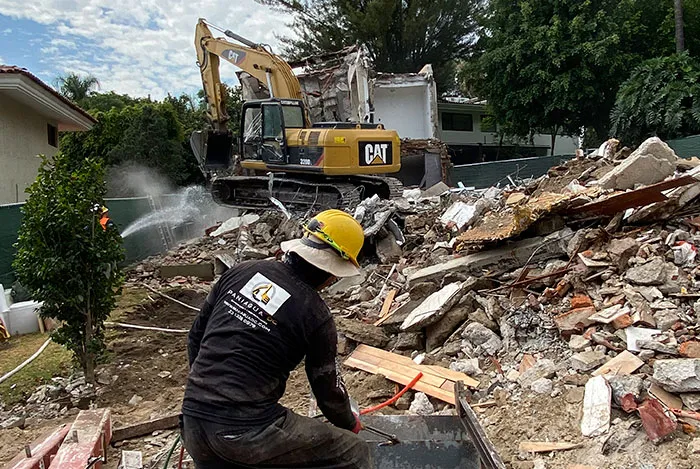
point(375, 153)
point(263, 292)
point(235, 56)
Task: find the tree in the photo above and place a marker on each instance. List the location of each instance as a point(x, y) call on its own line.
point(678, 16)
point(65, 258)
point(662, 98)
point(75, 87)
point(401, 35)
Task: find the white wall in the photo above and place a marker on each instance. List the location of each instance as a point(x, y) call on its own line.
point(23, 135)
point(563, 145)
point(404, 109)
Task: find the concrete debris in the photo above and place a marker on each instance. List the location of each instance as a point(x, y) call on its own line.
point(543, 368)
point(596, 407)
point(234, 223)
point(586, 361)
point(433, 307)
point(483, 338)
point(678, 375)
point(636, 334)
point(650, 273)
point(653, 161)
point(421, 405)
point(657, 423)
point(625, 385)
point(542, 386)
point(691, 400)
point(469, 366)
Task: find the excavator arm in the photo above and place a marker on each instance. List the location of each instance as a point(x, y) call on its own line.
point(272, 71)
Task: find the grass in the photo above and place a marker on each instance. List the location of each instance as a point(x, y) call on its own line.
point(54, 361)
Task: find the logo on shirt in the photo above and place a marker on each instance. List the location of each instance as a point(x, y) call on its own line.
point(265, 293)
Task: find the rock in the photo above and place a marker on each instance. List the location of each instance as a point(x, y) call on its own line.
point(650, 273)
point(542, 386)
point(513, 375)
point(694, 446)
point(577, 343)
point(135, 400)
point(469, 366)
point(423, 290)
point(665, 319)
point(409, 341)
point(543, 368)
point(621, 250)
point(103, 377)
point(657, 346)
point(650, 163)
point(387, 250)
point(622, 385)
point(585, 361)
point(481, 317)
point(678, 375)
point(13, 422)
point(404, 402)
point(436, 334)
point(362, 333)
point(596, 407)
point(164, 374)
point(690, 349)
point(434, 307)
point(421, 405)
point(691, 400)
point(481, 336)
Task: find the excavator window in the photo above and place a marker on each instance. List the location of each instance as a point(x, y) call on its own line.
point(293, 117)
point(273, 144)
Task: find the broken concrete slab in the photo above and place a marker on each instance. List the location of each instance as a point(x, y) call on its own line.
point(575, 320)
point(469, 366)
point(596, 407)
point(585, 361)
point(436, 334)
point(542, 386)
point(678, 374)
point(691, 400)
point(533, 249)
point(625, 384)
point(635, 334)
point(433, 308)
point(388, 250)
point(608, 315)
point(649, 273)
point(657, 346)
point(483, 337)
point(652, 162)
point(543, 368)
point(362, 333)
point(621, 250)
point(578, 343)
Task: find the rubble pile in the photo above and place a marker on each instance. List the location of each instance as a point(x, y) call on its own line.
point(585, 281)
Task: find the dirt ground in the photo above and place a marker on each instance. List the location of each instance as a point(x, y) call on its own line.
point(136, 358)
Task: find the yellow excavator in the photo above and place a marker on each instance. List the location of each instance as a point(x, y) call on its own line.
point(282, 157)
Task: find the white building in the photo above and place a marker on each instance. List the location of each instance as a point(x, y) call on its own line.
point(471, 135)
point(31, 115)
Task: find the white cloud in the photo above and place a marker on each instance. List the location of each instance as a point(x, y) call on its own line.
point(136, 47)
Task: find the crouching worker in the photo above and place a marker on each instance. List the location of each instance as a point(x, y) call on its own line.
point(257, 324)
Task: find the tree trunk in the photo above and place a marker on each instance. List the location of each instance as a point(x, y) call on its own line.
point(680, 37)
point(554, 139)
point(89, 353)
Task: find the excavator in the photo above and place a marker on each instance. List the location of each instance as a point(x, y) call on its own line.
point(284, 159)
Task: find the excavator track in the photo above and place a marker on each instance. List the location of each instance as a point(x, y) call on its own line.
point(300, 194)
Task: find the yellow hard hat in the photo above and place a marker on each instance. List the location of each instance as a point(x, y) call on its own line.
point(104, 209)
point(340, 230)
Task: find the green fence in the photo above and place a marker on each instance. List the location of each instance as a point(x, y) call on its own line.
point(481, 175)
point(122, 211)
point(686, 147)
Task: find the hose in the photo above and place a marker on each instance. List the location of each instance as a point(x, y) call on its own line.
point(393, 399)
point(170, 453)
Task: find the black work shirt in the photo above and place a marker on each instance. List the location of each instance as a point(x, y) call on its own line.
point(257, 324)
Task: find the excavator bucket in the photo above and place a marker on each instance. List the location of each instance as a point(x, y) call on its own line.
point(213, 150)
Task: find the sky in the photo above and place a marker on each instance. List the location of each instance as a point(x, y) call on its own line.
point(137, 47)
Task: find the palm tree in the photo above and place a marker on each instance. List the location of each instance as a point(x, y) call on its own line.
point(75, 87)
point(678, 13)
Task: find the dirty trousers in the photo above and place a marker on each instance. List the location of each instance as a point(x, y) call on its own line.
point(292, 441)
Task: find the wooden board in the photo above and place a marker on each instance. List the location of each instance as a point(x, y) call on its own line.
point(666, 398)
point(546, 446)
point(384, 313)
point(145, 428)
point(437, 382)
point(623, 364)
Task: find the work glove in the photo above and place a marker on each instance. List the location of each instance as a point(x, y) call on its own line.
point(358, 425)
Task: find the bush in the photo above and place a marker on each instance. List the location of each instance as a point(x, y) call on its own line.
point(65, 258)
point(661, 98)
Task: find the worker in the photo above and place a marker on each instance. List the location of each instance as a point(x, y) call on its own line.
point(105, 221)
point(257, 324)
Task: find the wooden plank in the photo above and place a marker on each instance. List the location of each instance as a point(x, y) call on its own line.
point(432, 370)
point(624, 363)
point(145, 428)
point(405, 370)
point(666, 398)
point(402, 379)
point(546, 446)
point(387, 303)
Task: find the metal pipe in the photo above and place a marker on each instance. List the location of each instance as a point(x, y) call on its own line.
point(240, 39)
point(268, 75)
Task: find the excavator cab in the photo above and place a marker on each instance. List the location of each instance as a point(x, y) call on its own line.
point(263, 127)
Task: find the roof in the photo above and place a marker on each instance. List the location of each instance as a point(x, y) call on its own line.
point(69, 115)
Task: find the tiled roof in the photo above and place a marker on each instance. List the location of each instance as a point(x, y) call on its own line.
point(34, 78)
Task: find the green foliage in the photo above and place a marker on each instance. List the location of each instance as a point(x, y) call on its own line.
point(65, 258)
point(96, 102)
point(402, 36)
point(75, 87)
point(662, 98)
